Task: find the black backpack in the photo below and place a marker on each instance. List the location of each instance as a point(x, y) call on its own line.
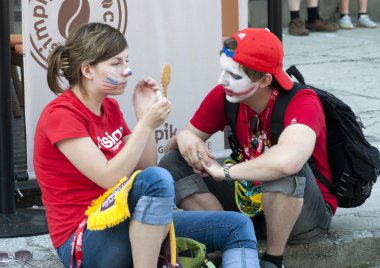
point(354, 163)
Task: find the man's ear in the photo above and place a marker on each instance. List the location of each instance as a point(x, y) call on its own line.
point(266, 80)
point(86, 70)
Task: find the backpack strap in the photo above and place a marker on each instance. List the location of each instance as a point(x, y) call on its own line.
point(277, 118)
point(283, 99)
point(231, 111)
point(293, 71)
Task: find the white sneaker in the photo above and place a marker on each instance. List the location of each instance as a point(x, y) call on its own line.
point(345, 23)
point(365, 21)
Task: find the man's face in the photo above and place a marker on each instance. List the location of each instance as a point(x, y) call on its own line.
point(236, 83)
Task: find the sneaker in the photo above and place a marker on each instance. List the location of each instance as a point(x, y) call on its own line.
point(297, 27)
point(365, 21)
point(345, 23)
point(322, 26)
point(266, 264)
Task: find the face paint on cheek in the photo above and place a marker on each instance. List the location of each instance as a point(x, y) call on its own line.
point(114, 80)
point(234, 98)
point(233, 78)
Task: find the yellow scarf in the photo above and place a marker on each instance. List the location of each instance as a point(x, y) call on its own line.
point(111, 208)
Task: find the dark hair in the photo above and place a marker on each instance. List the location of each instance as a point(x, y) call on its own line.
point(254, 75)
point(90, 43)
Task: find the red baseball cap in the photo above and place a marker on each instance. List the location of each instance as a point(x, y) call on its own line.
point(260, 50)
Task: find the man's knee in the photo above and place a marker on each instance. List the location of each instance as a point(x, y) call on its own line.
point(187, 183)
point(189, 186)
point(171, 159)
point(176, 165)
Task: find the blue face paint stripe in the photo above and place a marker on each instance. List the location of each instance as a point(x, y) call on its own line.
point(111, 81)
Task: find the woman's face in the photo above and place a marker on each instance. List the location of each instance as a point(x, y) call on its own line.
point(111, 76)
point(236, 83)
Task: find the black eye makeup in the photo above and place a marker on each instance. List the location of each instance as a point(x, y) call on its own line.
point(235, 76)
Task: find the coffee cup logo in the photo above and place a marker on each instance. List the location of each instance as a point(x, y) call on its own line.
point(52, 21)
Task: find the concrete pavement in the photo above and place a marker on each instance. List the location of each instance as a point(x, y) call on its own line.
point(347, 63)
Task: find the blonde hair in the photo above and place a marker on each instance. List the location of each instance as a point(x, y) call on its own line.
point(90, 43)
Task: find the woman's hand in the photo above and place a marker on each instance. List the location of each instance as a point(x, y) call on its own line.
point(149, 110)
point(213, 169)
point(145, 96)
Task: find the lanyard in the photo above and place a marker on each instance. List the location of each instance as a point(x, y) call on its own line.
point(251, 136)
point(77, 245)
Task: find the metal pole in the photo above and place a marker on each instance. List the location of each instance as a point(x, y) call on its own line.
point(275, 17)
point(7, 205)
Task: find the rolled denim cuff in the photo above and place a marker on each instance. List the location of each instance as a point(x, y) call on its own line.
point(292, 186)
point(154, 210)
point(240, 257)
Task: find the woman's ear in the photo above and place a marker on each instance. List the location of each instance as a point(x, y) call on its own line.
point(86, 70)
point(266, 80)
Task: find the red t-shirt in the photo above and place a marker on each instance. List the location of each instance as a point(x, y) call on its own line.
point(66, 192)
point(304, 108)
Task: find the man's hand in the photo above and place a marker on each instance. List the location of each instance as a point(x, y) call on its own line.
point(193, 149)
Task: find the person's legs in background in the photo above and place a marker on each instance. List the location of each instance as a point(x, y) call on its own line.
point(296, 25)
point(363, 18)
point(314, 22)
point(345, 20)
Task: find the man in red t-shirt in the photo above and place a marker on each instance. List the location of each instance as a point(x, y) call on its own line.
point(297, 208)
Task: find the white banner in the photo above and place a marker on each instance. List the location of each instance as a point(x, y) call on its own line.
point(186, 34)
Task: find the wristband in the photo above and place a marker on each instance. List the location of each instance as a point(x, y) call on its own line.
point(226, 169)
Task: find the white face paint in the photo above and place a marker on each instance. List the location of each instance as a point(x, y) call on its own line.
point(237, 85)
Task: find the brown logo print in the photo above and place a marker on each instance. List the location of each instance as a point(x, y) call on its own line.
point(52, 21)
point(72, 14)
